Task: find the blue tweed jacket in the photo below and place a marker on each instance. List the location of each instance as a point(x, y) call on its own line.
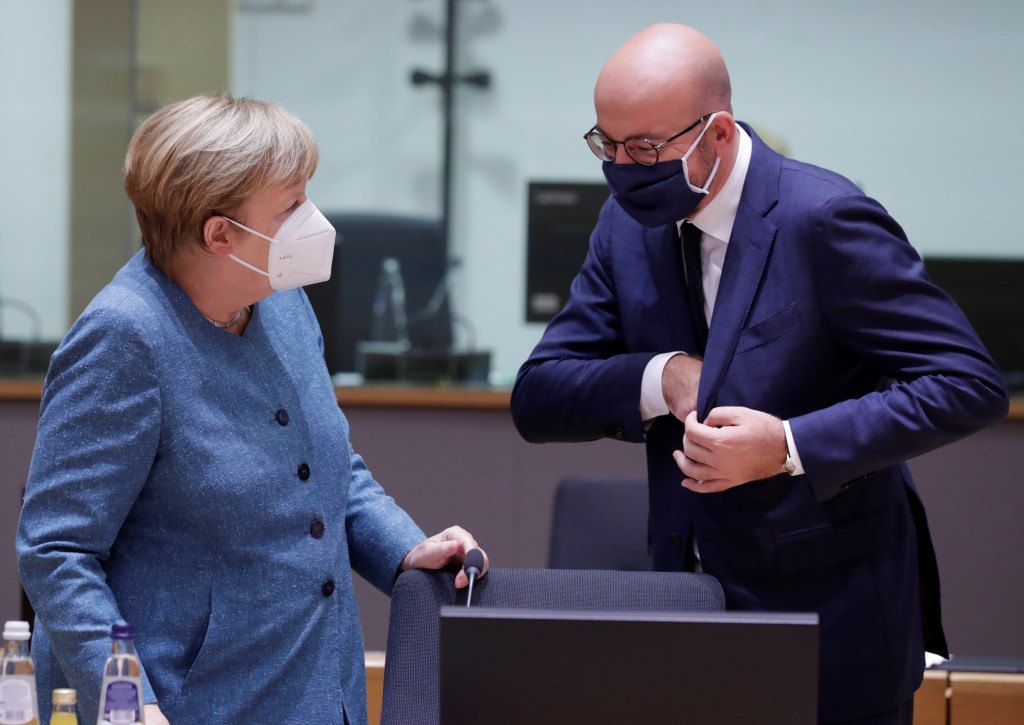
point(202, 487)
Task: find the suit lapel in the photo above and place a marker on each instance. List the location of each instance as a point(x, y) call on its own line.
point(745, 263)
point(746, 259)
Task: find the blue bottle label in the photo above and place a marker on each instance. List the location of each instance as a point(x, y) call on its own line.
point(121, 704)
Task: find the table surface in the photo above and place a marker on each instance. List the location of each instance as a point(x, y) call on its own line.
point(389, 396)
point(364, 396)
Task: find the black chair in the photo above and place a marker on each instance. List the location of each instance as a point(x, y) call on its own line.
point(600, 524)
point(411, 677)
point(344, 305)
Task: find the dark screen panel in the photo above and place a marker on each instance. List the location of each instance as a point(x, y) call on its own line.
point(507, 666)
point(561, 216)
point(991, 294)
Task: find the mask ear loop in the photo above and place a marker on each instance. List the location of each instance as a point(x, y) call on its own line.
point(242, 261)
point(686, 156)
point(258, 234)
point(246, 264)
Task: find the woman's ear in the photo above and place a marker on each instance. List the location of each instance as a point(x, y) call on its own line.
point(217, 231)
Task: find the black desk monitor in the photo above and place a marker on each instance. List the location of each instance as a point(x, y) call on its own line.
point(503, 666)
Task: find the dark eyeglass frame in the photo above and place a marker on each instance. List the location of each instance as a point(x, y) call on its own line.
point(596, 138)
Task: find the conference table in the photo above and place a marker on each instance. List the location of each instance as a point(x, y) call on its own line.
point(389, 396)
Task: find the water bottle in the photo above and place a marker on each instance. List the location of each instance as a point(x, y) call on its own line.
point(389, 322)
point(121, 693)
point(64, 702)
point(18, 703)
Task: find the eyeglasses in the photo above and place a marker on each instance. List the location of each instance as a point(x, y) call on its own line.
point(641, 150)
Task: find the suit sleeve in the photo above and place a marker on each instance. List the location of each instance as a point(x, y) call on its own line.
point(580, 383)
point(941, 383)
point(380, 533)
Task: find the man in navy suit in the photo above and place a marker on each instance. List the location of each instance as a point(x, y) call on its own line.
point(808, 357)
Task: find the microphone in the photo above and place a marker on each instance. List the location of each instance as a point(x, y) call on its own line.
point(440, 292)
point(473, 564)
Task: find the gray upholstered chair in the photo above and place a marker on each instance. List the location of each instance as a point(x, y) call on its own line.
point(600, 523)
point(411, 677)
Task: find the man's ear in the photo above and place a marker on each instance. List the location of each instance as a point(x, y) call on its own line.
point(723, 131)
point(217, 231)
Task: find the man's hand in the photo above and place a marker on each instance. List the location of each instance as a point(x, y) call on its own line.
point(153, 716)
point(679, 381)
point(445, 550)
point(732, 447)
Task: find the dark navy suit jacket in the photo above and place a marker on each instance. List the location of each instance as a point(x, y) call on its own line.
point(824, 317)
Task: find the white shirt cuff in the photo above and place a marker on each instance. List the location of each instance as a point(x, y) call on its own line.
point(794, 454)
point(652, 399)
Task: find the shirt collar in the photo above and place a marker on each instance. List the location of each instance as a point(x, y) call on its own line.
point(718, 217)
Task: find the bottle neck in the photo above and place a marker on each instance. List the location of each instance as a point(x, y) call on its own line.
point(63, 707)
point(16, 648)
point(122, 646)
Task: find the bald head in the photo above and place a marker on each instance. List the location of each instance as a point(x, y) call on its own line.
point(665, 75)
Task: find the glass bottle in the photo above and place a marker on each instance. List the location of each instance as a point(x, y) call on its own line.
point(18, 703)
point(64, 713)
point(121, 693)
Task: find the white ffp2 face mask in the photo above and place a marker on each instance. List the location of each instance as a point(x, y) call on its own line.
point(301, 251)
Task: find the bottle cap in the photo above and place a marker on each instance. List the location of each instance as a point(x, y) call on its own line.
point(16, 630)
point(122, 630)
point(65, 696)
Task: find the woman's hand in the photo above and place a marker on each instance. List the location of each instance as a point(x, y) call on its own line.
point(153, 716)
point(445, 550)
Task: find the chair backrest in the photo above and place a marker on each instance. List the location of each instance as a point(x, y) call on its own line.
point(411, 677)
point(344, 304)
point(600, 524)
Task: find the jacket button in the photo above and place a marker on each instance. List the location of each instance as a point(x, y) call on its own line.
point(316, 529)
point(676, 539)
point(328, 588)
point(303, 471)
point(281, 416)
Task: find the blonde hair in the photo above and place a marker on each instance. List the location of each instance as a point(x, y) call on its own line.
point(204, 156)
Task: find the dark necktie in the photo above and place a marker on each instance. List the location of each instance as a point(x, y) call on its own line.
point(695, 284)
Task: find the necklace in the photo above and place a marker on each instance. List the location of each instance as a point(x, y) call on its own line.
point(230, 323)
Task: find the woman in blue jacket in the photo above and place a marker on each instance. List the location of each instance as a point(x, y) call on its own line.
point(192, 472)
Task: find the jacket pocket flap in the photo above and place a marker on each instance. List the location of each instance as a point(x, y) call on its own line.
point(769, 329)
point(827, 544)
